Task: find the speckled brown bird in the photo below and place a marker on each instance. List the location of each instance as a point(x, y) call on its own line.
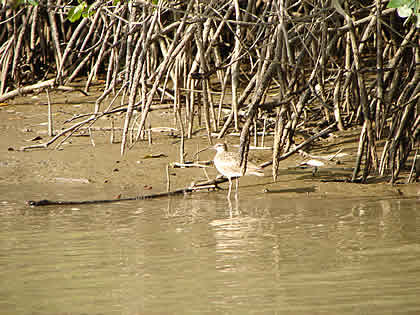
point(228, 164)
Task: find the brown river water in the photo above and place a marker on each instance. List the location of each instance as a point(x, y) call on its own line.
point(306, 248)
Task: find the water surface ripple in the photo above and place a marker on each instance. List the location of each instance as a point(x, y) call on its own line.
point(204, 254)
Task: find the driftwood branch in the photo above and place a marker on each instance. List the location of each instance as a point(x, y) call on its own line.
point(210, 184)
point(49, 84)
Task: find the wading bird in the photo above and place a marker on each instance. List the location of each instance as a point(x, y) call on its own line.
point(228, 164)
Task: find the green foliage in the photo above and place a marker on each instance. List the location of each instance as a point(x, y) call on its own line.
point(80, 10)
point(407, 9)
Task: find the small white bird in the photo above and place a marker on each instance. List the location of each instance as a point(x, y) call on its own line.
point(313, 163)
point(228, 164)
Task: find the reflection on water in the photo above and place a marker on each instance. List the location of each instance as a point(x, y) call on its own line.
point(206, 254)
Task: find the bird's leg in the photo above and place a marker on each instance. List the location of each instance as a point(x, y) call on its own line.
point(230, 208)
point(230, 186)
point(237, 184)
point(237, 205)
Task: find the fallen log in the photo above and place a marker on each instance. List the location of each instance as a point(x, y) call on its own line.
point(40, 85)
point(210, 184)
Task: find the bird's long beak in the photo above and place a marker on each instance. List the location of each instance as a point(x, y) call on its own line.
point(197, 153)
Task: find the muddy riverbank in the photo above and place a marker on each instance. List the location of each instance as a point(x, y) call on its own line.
point(88, 166)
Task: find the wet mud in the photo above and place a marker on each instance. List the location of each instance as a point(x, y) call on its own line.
point(88, 166)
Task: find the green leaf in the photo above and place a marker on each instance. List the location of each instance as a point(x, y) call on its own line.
point(396, 3)
point(414, 4)
point(75, 13)
point(87, 12)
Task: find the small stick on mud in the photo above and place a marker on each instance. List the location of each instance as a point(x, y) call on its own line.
point(112, 131)
point(50, 120)
point(168, 179)
point(149, 136)
point(412, 167)
point(264, 130)
point(91, 137)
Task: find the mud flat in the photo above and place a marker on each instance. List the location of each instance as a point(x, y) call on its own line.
point(88, 166)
